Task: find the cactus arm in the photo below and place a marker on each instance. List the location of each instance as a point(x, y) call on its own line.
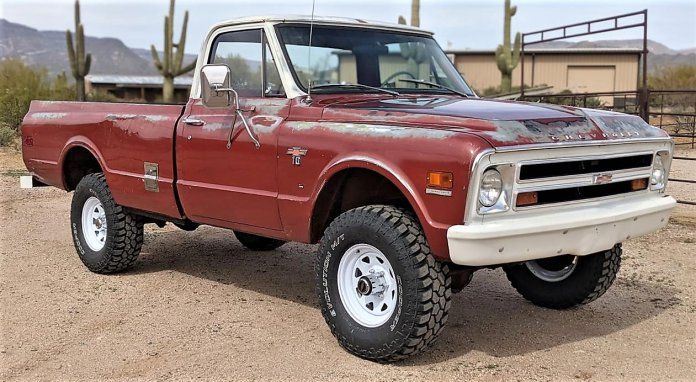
point(181, 46)
point(166, 64)
point(515, 58)
point(88, 63)
point(187, 68)
point(155, 58)
point(501, 59)
point(71, 53)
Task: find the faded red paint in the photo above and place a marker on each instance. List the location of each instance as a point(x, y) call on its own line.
point(260, 190)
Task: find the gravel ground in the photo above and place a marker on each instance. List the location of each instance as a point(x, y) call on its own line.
point(197, 305)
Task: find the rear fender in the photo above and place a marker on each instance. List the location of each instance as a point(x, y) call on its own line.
point(86, 143)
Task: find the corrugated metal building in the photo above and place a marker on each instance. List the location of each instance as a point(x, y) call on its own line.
point(137, 88)
point(577, 70)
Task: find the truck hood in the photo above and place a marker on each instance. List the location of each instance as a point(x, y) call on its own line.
point(501, 123)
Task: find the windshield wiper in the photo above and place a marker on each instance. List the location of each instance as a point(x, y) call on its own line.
point(435, 85)
point(357, 86)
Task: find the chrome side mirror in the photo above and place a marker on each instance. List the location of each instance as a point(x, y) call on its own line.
point(217, 92)
point(216, 86)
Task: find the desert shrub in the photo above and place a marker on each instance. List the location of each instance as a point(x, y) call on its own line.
point(562, 98)
point(102, 96)
point(20, 84)
point(7, 135)
point(682, 77)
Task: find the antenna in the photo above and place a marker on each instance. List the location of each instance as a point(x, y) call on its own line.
point(309, 54)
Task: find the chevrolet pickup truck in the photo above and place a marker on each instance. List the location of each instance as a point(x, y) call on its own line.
point(363, 138)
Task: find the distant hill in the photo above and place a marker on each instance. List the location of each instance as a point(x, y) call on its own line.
point(660, 55)
point(112, 56)
point(47, 49)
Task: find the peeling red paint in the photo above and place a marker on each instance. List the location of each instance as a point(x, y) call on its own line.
point(260, 190)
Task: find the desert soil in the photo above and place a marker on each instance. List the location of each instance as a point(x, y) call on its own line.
point(197, 305)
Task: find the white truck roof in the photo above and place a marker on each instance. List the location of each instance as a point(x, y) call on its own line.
point(320, 20)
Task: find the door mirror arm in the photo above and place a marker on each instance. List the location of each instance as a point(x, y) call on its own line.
point(216, 79)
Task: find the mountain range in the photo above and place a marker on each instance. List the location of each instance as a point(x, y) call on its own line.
point(48, 49)
point(111, 56)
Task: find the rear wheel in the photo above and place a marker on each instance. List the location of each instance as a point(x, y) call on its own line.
point(565, 281)
point(107, 238)
point(257, 243)
point(382, 293)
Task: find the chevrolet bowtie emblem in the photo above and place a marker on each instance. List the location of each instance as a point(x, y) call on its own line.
point(297, 153)
point(602, 179)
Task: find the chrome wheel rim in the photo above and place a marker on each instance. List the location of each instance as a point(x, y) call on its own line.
point(367, 285)
point(94, 224)
point(542, 270)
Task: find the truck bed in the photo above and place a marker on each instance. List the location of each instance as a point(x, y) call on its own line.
point(121, 136)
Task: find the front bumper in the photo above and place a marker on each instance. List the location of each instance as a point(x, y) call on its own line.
point(578, 231)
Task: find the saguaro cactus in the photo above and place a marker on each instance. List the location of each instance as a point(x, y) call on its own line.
point(170, 66)
point(79, 61)
point(415, 14)
point(508, 57)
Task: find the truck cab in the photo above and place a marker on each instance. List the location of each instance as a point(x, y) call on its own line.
point(362, 138)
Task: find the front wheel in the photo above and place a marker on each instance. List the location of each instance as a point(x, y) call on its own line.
point(382, 293)
point(563, 282)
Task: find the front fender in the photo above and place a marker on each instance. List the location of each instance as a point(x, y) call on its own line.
point(435, 231)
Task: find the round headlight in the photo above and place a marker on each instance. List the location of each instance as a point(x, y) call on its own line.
point(658, 174)
point(491, 188)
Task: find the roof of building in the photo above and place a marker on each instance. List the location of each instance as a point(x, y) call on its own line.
point(136, 81)
point(318, 20)
point(554, 51)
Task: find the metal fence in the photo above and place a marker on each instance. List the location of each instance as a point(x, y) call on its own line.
point(671, 110)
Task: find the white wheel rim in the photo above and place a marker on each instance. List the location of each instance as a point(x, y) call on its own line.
point(94, 224)
point(367, 285)
point(552, 276)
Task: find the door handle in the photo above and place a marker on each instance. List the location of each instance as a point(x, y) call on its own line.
point(194, 121)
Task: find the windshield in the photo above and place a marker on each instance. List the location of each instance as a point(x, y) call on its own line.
point(382, 59)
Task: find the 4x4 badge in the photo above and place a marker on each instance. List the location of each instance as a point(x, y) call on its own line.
point(297, 154)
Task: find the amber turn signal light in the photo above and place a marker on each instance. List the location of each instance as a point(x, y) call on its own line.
point(639, 184)
point(527, 199)
point(440, 179)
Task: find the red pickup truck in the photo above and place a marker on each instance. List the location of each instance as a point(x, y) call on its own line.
point(365, 139)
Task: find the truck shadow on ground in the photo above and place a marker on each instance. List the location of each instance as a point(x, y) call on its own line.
point(488, 316)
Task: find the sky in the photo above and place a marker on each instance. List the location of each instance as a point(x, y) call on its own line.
point(458, 24)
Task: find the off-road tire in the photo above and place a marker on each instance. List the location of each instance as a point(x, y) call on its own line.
point(592, 277)
point(423, 284)
point(124, 237)
point(258, 243)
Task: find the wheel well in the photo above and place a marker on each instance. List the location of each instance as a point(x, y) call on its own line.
point(78, 163)
point(352, 188)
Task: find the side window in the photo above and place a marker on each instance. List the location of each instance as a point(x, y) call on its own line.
point(249, 63)
point(274, 86)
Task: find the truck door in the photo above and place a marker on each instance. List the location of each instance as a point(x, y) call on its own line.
point(224, 179)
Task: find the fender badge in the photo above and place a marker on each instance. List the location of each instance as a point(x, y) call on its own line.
point(435, 191)
point(297, 153)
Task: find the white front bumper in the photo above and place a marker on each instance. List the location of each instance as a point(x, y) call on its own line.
point(579, 231)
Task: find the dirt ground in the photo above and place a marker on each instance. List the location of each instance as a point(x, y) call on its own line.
point(199, 306)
